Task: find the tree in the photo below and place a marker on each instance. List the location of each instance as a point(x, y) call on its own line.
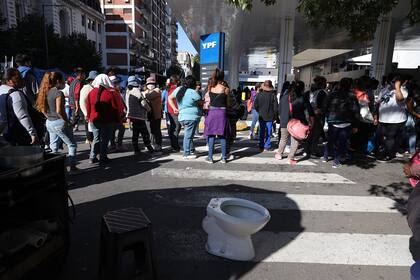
point(359, 17)
point(65, 53)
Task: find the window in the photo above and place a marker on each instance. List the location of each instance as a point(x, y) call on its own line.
point(89, 23)
point(126, 11)
point(83, 20)
point(99, 28)
point(93, 25)
point(108, 11)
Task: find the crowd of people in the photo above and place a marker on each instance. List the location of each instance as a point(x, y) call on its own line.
point(331, 122)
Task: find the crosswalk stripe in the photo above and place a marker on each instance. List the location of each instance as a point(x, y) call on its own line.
point(308, 247)
point(334, 248)
point(242, 160)
point(302, 202)
point(293, 177)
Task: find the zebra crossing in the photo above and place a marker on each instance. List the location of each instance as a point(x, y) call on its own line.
point(347, 245)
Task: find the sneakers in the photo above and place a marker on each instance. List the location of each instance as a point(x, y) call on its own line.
point(93, 160)
point(384, 159)
point(292, 162)
point(223, 160)
point(209, 160)
point(278, 156)
point(190, 156)
point(73, 170)
point(336, 164)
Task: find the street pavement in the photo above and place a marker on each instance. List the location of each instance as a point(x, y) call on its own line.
point(346, 223)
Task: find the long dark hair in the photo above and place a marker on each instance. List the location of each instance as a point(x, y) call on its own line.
point(296, 90)
point(218, 76)
point(189, 82)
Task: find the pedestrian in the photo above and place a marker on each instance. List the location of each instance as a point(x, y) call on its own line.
point(17, 126)
point(391, 116)
point(216, 123)
point(359, 140)
point(103, 112)
point(266, 106)
point(74, 96)
point(293, 106)
point(51, 102)
point(137, 111)
point(84, 93)
point(174, 127)
point(154, 95)
point(251, 109)
point(198, 89)
point(234, 111)
point(188, 102)
point(119, 127)
point(343, 115)
point(30, 85)
point(317, 98)
point(66, 92)
point(165, 93)
point(413, 108)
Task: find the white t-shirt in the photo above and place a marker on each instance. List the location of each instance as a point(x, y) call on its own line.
point(66, 92)
point(390, 110)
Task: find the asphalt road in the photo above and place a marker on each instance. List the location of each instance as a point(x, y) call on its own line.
point(346, 223)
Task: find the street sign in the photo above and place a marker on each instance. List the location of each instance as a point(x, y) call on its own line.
point(212, 52)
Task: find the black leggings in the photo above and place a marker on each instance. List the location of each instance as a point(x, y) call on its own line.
point(388, 134)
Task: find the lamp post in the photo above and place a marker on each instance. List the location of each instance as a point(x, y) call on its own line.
point(45, 28)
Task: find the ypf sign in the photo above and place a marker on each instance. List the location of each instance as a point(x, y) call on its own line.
point(212, 52)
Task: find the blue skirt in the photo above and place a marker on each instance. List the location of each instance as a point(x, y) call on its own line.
point(216, 123)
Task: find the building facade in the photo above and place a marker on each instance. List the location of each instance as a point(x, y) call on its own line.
point(172, 36)
point(185, 60)
point(66, 16)
point(136, 35)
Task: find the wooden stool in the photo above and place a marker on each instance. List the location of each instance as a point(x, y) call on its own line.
point(126, 230)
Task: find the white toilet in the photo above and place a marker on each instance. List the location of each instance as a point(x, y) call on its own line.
point(229, 223)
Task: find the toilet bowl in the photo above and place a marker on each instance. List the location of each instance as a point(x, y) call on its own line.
point(229, 223)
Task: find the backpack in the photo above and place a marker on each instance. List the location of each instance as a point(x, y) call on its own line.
point(16, 133)
point(145, 103)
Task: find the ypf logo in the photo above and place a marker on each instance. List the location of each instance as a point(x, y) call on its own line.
point(209, 45)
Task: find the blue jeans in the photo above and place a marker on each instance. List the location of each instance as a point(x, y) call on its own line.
point(255, 117)
point(59, 130)
point(69, 113)
point(189, 130)
point(210, 141)
point(265, 134)
point(102, 134)
point(338, 139)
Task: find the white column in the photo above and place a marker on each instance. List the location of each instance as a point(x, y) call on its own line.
point(383, 48)
point(234, 58)
point(285, 55)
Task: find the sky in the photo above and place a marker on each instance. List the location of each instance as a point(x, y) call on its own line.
point(184, 44)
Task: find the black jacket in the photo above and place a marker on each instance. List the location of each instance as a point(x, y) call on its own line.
point(300, 106)
point(266, 105)
point(342, 107)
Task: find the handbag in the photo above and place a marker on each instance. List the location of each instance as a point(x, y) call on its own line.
point(296, 128)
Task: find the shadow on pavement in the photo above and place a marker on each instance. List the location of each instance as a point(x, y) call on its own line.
point(179, 240)
point(118, 168)
point(399, 192)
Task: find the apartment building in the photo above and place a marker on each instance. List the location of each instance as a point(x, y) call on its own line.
point(172, 36)
point(135, 35)
point(66, 16)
